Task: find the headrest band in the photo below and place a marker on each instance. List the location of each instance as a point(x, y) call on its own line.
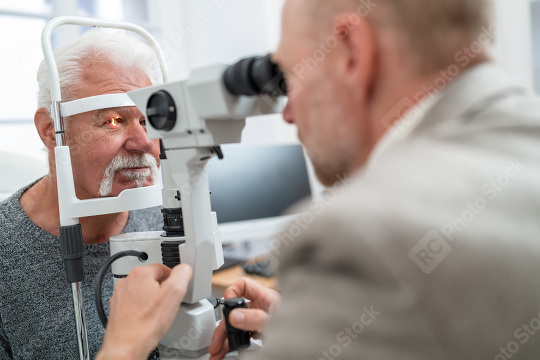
point(95, 103)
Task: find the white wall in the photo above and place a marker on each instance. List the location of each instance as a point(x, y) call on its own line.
point(536, 43)
point(513, 50)
point(22, 138)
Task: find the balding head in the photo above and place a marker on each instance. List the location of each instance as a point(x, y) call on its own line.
point(350, 63)
point(430, 31)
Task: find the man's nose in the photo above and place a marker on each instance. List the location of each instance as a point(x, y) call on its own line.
point(137, 139)
point(288, 114)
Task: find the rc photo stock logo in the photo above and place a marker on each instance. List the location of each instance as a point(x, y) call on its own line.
point(430, 251)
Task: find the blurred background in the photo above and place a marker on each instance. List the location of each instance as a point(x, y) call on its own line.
point(195, 33)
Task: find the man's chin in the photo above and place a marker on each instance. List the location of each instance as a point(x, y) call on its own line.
point(133, 184)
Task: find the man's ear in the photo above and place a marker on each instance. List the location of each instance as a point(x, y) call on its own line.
point(45, 128)
point(359, 42)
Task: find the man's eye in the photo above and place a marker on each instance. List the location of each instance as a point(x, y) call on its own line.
point(113, 122)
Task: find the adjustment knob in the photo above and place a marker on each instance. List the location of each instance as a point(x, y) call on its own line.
point(238, 339)
point(161, 111)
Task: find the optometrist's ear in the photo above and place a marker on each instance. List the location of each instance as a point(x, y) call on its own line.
point(356, 35)
point(45, 128)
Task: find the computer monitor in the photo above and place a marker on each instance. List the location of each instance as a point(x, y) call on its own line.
point(253, 185)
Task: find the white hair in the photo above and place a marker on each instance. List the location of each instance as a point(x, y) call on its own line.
point(119, 48)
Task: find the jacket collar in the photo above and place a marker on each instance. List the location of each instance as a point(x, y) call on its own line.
point(471, 92)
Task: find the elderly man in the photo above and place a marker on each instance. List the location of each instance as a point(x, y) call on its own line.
point(431, 250)
point(110, 152)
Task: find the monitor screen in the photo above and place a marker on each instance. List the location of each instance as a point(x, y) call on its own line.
point(257, 182)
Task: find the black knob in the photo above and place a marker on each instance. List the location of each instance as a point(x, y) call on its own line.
point(161, 111)
point(238, 339)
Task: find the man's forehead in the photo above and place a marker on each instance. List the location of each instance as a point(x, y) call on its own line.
point(295, 14)
point(299, 24)
point(103, 77)
point(293, 6)
point(296, 32)
point(102, 70)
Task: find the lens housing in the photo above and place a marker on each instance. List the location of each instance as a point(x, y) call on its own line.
point(255, 76)
point(161, 111)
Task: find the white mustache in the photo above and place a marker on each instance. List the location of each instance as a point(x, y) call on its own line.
point(122, 162)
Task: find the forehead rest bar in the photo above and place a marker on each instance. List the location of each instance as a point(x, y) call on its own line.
point(95, 103)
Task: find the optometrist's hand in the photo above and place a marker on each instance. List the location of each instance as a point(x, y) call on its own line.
point(142, 309)
point(263, 302)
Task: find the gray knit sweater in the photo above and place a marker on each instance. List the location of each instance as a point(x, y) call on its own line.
point(36, 307)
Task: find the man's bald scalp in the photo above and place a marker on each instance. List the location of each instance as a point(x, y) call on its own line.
point(431, 30)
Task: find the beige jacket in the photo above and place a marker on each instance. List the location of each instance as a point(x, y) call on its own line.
point(431, 253)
